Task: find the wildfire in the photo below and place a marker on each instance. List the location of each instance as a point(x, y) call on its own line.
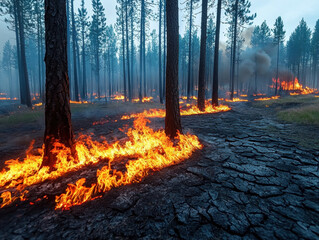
point(7, 98)
point(236, 100)
point(191, 110)
point(38, 104)
point(145, 99)
point(118, 97)
point(244, 95)
point(268, 98)
point(292, 86)
point(75, 102)
point(153, 150)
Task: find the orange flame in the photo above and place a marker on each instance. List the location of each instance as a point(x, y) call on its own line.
point(267, 99)
point(153, 151)
point(236, 100)
point(191, 110)
point(153, 148)
point(76, 102)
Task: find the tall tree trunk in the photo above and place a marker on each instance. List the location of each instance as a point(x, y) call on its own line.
point(144, 56)
point(26, 86)
point(165, 51)
point(128, 54)
point(69, 43)
point(173, 118)
point(58, 125)
point(160, 54)
point(216, 56)
point(277, 72)
point(234, 50)
point(123, 46)
point(39, 48)
point(132, 48)
point(74, 40)
point(141, 48)
point(190, 51)
point(84, 87)
point(202, 61)
point(21, 81)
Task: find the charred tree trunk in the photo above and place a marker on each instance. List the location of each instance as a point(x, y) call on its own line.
point(58, 126)
point(201, 77)
point(165, 51)
point(216, 55)
point(173, 118)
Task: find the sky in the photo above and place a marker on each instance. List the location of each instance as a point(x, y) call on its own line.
point(291, 11)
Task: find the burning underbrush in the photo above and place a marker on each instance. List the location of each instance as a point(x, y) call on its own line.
point(185, 111)
point(293, 86)
point(144, 149)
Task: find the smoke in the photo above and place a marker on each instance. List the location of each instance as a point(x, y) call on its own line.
point(247, 34)
point(255, 61)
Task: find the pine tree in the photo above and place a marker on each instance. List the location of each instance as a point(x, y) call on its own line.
point(97, 35)
point(279, 36)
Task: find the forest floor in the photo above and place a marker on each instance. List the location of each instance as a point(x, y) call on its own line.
point(257, 177)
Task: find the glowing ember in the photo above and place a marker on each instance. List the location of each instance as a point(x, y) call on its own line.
point(7, 98)
point(75, 102)
point(153, 151)
point(236, 100)
point(267, 99)
point(243, 95)
point(118, 97)
point(38, 104)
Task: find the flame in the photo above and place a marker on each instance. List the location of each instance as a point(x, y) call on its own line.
point(153, 151)
point(236, 100)
point(7, 98)
point(191, 110)
point(153, 148)
point(38, 104)
point(118, 97)
point(292, 86)
point(75, 102)
point(244, 95)
point(267, 99)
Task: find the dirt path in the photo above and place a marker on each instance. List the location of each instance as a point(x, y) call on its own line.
point(247, 183)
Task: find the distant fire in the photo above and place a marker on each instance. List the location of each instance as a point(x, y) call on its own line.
point(7, 98)
point(118, 97)
point(236, 100)
point(259, 94)
point(190, 110)
point(243, 95)
point(267, 98)
point(76, 102)
point(144, 100)
point(151, 151)
point(292, 86)
point(38, 104)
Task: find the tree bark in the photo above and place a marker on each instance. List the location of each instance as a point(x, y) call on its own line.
point(216, 56)
point(128, 53)
point(190, 51)
point(173, 118)
point(58, 125)
point(160, 54)
point(24, 70)
point(202, 61)
point(234, 51)
point(74, 40)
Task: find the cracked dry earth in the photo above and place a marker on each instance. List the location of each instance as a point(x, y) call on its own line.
point(247, 183)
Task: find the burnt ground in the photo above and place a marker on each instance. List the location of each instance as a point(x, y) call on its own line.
point(252, 180)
